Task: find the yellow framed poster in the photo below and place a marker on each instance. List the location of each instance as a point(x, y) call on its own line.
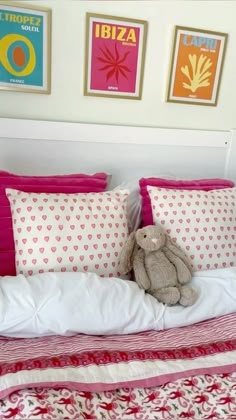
point(196, 66)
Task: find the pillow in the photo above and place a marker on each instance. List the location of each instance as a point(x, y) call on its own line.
point(54, 183)
point(134, 204)
point(203, 223)
point(69, 232)
point(128, 309)
point(204, 184)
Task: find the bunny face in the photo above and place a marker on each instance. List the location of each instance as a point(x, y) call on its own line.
point(151, 238)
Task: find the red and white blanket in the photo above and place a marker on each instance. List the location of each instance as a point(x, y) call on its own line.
point(194, 397)
point(96, 366)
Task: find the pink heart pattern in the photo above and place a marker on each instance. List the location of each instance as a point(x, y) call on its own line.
point(69, 232)
point(203, 223)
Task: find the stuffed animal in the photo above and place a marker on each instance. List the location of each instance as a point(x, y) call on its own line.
point(160, 266)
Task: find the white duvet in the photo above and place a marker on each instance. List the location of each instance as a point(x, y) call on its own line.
point(70, 303)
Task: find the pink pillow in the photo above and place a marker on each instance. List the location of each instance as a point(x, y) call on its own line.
point(206, 184)
point(73, 183)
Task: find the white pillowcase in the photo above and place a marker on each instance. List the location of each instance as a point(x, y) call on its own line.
point(86, 303)
point(70, 303)
point(203, 223)
point(134, 201)
point(69, 232)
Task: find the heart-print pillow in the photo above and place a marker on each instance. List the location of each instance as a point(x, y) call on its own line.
point(69, 232)
point(70, 183)
point(202, 184)
point(203, 223)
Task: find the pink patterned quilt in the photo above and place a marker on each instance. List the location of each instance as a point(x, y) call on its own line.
point(183, 372)
point(195, 397)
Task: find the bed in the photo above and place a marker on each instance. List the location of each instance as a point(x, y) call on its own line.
point(182, 371)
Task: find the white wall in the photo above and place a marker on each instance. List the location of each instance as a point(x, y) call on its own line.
point(67, 102)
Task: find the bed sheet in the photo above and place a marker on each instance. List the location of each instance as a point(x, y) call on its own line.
point(145, 375)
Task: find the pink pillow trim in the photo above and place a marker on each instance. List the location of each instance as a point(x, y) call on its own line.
point(31, 178)
point(8, 267)
point(205, 184)
point(70, 183)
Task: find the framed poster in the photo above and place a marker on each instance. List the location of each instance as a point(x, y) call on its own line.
point(25, 46)
point(114, 61)
point(196, 66)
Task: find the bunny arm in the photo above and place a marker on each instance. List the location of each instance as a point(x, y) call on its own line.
point(140, 273)
point(178, 252)
point(183, 273)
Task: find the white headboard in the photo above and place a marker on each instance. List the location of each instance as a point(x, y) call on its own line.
point(44, 147)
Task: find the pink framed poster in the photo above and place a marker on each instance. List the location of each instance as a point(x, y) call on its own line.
point(114, 62)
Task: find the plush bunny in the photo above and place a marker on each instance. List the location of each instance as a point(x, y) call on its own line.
point(160, 266)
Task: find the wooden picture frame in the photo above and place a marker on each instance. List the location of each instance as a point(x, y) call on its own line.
point(196, 66)
point(114, 57)
point(25, 45)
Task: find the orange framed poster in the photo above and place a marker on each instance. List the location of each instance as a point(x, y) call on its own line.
point(196, 66)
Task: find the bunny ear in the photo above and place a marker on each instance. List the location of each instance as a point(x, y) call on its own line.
point(126, 256)
point(178, 252)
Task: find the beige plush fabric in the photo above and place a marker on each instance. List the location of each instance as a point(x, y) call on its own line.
point(160, 266)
